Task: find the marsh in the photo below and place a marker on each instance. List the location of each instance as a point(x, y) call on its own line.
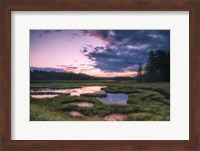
point(131, 100)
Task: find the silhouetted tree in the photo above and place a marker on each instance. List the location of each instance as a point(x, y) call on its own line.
point(157, 68)
point(139, 73)
point(150, 68)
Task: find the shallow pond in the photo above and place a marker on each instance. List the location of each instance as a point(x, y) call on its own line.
point(41, 96)
point(112, 98)
point(72, 92)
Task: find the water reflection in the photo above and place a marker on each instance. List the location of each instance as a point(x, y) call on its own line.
point(72, 92)
point(112, 98)
point(41, 96)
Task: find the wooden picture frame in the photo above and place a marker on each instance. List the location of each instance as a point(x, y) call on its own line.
point(193, 6)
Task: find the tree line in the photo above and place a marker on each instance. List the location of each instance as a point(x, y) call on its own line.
point(157, 68)
point(123, 78)
point(52, 75)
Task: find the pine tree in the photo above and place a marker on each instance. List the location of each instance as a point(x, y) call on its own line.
point(157, 68)
point(150, 68)
point(139, 73)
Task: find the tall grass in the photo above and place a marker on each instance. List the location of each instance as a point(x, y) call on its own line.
point(146, 102)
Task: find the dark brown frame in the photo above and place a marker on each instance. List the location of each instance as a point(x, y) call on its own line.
point(193, 6)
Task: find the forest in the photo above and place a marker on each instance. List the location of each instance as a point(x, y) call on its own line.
point(157, 69)
point(68, 96)
point(52, 75)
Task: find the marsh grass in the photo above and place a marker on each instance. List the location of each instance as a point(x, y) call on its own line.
point(143, 117)
point(146, 102)
point(148, 96)
point(66, 84)
point(94, 95)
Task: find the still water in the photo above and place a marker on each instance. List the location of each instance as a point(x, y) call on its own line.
point(112, 98)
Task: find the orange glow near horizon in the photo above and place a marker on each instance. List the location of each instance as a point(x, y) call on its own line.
point(99, 53)
point(100, 73)
point(65, 54)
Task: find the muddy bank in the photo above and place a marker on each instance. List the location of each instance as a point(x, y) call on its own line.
point(82, 104)
point(75, 114)
point(115, 117)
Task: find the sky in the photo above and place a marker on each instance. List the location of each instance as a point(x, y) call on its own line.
point(100, 53)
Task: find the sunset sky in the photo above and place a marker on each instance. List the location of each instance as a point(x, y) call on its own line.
point(100, 53)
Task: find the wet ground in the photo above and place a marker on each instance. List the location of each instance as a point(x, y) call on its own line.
point(111, 98)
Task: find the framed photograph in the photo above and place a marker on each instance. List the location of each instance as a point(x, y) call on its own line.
point(92, 75)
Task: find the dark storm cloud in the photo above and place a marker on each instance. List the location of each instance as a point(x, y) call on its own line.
point(45, 32)
point(116, 60)
point(85, 50)
point(126, 48)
